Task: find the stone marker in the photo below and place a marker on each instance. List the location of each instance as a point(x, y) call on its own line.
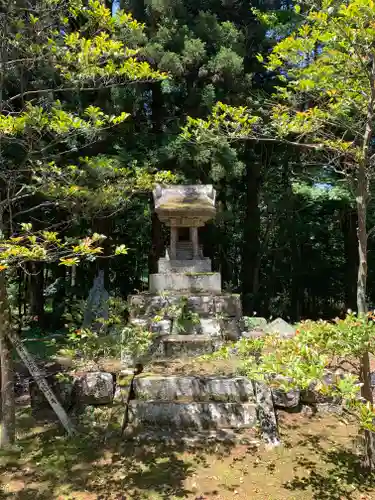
point(97, 303)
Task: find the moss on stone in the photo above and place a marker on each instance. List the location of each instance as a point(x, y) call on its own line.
point(198, 274)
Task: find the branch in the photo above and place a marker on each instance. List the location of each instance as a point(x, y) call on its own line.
point(72, 89)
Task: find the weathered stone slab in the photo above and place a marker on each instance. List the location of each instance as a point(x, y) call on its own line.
point(266, 414)
point(209, 282)
point(175, 346)
point(184, 266)
point(281, 328)
point(229, 305)
point(194, 437)
point(192, 415)
point(210, 327)
point(172, 388)
point(95, 388)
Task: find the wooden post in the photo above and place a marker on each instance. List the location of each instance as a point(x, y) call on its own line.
point(173, 244)
point(42, 382)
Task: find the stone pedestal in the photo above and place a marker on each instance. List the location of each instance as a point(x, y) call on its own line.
point(185, 280)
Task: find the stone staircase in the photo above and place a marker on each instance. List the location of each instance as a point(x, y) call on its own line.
point(190, 407)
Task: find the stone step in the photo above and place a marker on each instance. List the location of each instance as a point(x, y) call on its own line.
point(193, 388)
point(183, 346)
point(170, 438)
point(179, 415)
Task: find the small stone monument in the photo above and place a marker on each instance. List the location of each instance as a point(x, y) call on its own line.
point(185, 275)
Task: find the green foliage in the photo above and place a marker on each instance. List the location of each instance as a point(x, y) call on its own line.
point(183, 317)
point(46, 246)
point(304, 361)
point(109, 338)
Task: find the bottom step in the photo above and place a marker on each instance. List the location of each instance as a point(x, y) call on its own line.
point(223, 436)
point(195, 415)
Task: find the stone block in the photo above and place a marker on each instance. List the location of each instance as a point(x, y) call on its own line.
point(210, 327)
point(149, 305)
point(230, 329)
point(289, 399)
point(172, 388)
point(185, 282)
point(95, 388)
point(184, 266)
point(229, 305)
point(162, 327)
point(201, 304)
point(178, 415)
point(281, 328)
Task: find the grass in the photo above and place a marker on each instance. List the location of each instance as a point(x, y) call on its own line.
point(318, 461)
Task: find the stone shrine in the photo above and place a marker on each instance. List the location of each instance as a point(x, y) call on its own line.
point(185, 280)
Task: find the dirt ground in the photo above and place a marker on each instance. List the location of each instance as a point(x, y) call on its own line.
point(318, 460)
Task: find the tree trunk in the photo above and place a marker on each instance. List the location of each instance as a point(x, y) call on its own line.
point(362, 196)
point(348, 219)
point(7, 430)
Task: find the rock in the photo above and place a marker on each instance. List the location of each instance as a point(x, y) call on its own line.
point(63, 390)
point(96, 388)
point(284, 399)
point(280, 327)
point(176, 415)
point(249, 323)
point(312, 397)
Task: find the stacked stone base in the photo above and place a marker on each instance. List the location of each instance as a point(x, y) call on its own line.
point(219, 316)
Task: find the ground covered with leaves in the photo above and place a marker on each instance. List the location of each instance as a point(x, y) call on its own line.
point(318, 460)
